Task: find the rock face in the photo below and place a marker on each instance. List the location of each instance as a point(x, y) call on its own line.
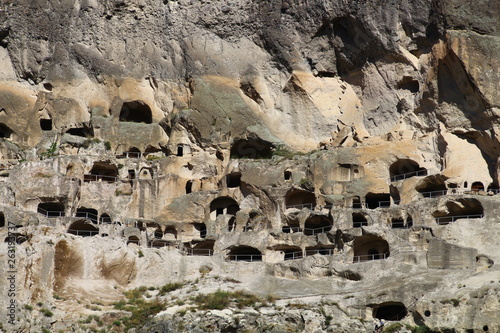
point(338, 159)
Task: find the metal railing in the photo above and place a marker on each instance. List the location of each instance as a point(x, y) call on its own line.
point(199, 252)
point(130, 154)
point(360, 224)
point(83, 233)
point(105, 220)
point(408, 175)
point(294, 255)
point(324, 252)
point(87, 215)
point(245, 257)
point(49, 214)
point(301, 206)
point(157, 243)
point(88, 177)
point(447, 219)
point(368, 257)
point(382, 204)
point(288, 229)
point(454, 191)
point(315, 231)
point(435, 194)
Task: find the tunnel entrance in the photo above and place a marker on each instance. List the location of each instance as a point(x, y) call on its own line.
point(137, 112)
point(393, 311)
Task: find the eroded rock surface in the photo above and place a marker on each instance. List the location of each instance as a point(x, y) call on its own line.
point(338, 160)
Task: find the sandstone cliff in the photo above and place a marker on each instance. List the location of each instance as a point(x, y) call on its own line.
point(310, 165)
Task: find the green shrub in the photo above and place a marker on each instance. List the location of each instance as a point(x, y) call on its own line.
point(46, 312)
point(143, 313)
point(222, 299)
point(170, 287)
point(28, 307)
point(393, 328)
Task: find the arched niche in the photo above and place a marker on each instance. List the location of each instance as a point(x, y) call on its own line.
point(405, 168)
point(223, 206)
point(369, 247)
point(317, 224)
point(477, 186)
point(105, 218)
point(170, 233)
point(133, 240)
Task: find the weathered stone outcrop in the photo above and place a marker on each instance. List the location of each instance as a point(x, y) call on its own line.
point(338, 159)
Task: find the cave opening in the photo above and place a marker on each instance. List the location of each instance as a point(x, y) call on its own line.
point(300, 199)
point(133, 240)
point(136, 112)
point(244, 253)
point(404, 169)
point(88, 213)
point(51, 209)
point(317, 224)
point(83, 228)
point(46, 124)
point(392, 311)
point(359, 220)
point(102, 171)
point(254, 148)
point(376, 200)
point(5, 131)
point(233, 180)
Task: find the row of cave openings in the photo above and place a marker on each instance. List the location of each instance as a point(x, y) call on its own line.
point(133, 111)
point(396, 311)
